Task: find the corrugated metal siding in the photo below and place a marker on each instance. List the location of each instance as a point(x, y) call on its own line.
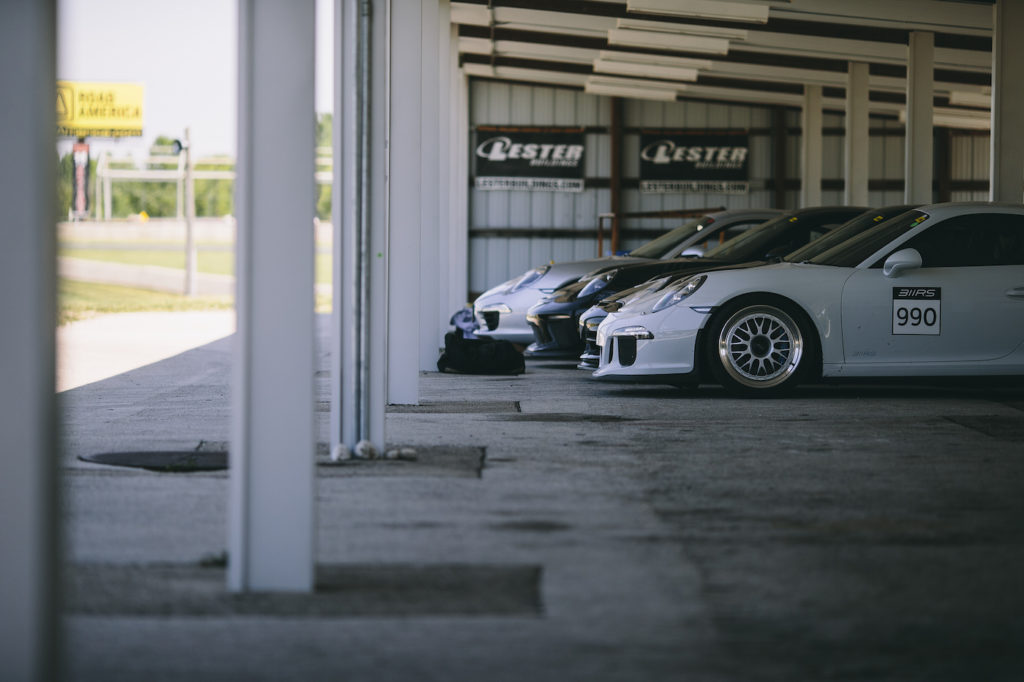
point(970, 158)
point(494, 259)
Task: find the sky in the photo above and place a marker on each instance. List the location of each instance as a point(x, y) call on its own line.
point(184, 53)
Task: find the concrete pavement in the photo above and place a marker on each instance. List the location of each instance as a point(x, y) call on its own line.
point(612, 533)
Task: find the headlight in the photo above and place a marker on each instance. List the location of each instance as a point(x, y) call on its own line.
point(636, 331)
point(679, 291)
point(598, 283)
point(529, 278)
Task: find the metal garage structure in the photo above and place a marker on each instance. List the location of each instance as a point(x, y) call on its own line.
point(402, 183)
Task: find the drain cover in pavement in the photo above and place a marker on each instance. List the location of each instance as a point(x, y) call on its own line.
point(458, 407)
point(170, 461)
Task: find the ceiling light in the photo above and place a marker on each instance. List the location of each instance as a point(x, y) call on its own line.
point(645, 70)
point(552, 22)
point(475, 45)
point(704, 9)
point(672, 27)
point(969, 99)
point(667, 41)
point(638, 58)
point(630, 92)
point(558, 53)
point(633, 87)
point(474, 15)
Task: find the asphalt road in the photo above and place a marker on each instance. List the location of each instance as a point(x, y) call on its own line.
point(611, 532)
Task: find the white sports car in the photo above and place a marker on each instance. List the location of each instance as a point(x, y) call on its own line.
point(501, 311)
point(933, 292)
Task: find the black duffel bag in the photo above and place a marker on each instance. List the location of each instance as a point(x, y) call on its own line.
point(479, 356)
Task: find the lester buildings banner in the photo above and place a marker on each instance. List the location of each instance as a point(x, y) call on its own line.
point(694, 161)
point(545, 159)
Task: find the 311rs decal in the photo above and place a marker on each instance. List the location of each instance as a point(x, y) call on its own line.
point(917, 310)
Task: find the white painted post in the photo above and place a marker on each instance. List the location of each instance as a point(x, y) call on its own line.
point(272, 494)
point(810, 146)
point(191, 254)
point(1007, 142)
point(920, 108)
point(29, 504)
point(446, 109)
point(431, 330)
point(857, 136)
point(458, 222)
point(403, 114)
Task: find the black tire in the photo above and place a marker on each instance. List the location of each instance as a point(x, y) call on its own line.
point(761, 347)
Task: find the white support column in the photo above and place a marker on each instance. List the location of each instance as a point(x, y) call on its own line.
point(359, 322)
point(458, 225)
point(810, 146)
point(920, 107)
point(1007, 140)
point(857, 138)
point(403, 113)
point(271, 523)
point(446, 109)
point(29, 504)
point(431, 314)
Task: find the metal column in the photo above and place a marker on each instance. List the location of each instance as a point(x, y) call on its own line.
point(857, 141)
point(432, 316)
point(1007, 158)
point(359, 321)
point(271, 522)
point(920, 107)
point(29, 504)
point(810, 146)
point(403, 113)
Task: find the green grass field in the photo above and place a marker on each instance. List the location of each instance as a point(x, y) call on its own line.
point(213, 262)
point(81, 300)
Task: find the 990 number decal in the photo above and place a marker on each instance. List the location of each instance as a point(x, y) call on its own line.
point(917, 310)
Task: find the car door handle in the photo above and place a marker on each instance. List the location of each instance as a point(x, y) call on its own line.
point(1016, 293)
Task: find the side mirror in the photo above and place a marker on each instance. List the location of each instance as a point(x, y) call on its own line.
point(905, 259)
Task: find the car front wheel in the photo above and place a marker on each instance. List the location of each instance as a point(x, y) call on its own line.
point(760, 348)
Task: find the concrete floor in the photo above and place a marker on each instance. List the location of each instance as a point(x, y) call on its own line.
point(612, 533)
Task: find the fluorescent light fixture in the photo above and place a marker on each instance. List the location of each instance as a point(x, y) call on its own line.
point(671, 27)
point(956, 118)
point(515, 73)
point(552, 22)
point(645, 70)
point(702, 9)
point(467, 13)
point(632, 87)
point(639, 58)
point(969, 99)
point(630, 92)
point(475, 45)
point(557, 53)
point(485, 70)
point(667, 41)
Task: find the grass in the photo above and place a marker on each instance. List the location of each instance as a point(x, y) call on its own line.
point(82, 300)
point(219, 262)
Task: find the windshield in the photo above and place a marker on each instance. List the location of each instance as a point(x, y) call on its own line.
point(752, 243)
point(656, 248)
point(855, 251)
point(847, 230)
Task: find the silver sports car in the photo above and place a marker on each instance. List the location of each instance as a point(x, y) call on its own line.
point(933, 292)
point(501, 310)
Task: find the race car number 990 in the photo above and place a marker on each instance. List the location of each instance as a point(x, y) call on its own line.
point(916, 310)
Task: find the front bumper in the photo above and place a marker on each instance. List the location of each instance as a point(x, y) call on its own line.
point(669, 356)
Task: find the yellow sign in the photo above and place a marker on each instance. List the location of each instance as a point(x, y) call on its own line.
point(99, 109)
